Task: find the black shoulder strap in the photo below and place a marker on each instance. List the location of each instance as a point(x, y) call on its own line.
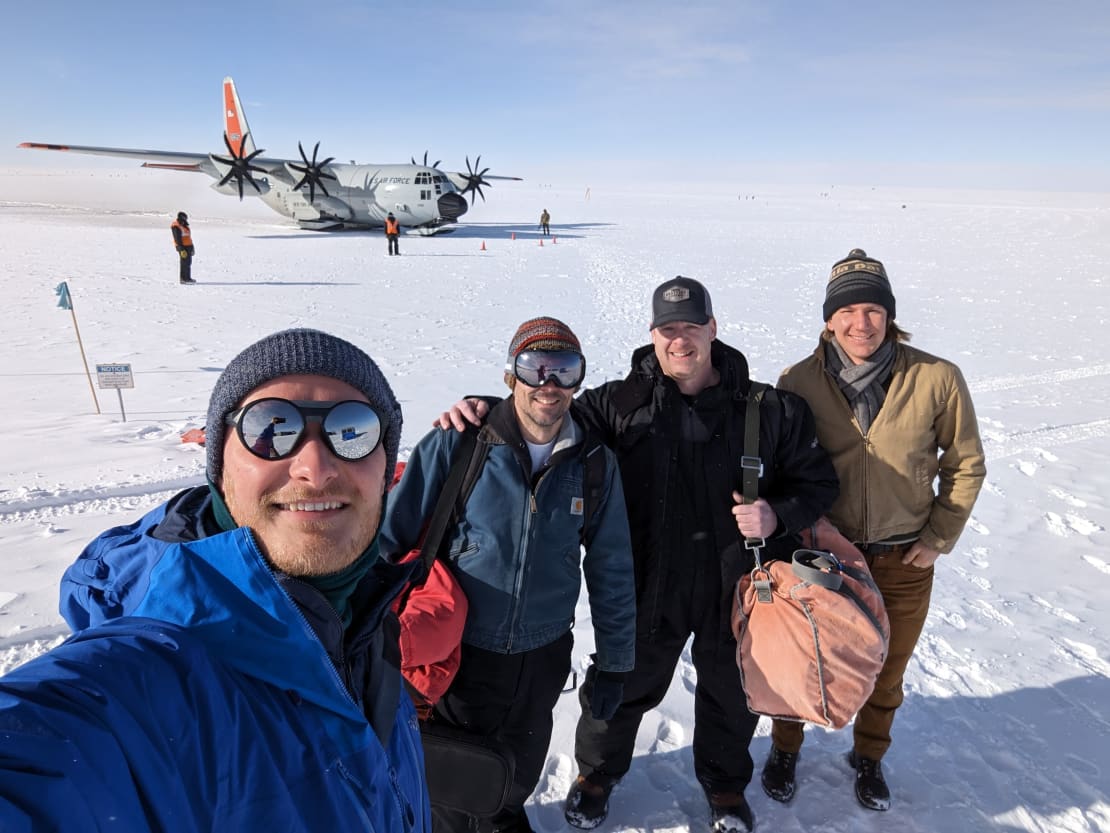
point(751, 464)
point(465, 452)
point(594, 464)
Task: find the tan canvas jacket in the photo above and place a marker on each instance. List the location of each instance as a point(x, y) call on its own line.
point(887, 477)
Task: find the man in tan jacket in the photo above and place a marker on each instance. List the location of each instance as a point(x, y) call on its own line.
point(894, 420)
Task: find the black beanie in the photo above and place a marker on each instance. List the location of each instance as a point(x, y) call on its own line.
point(857, 279)
point(290, 353)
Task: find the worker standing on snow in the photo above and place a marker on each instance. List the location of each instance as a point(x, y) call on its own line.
point(183, 242)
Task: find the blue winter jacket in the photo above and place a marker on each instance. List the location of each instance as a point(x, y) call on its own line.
point(205, 692)
point(517, 549)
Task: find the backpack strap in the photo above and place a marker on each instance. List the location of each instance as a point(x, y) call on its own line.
point(448, 502)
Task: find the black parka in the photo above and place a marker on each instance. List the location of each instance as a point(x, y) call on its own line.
point(680, 462)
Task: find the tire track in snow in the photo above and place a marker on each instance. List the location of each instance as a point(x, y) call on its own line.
point(106, 501)
point(1045, 378)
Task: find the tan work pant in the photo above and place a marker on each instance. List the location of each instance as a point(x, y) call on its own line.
point(906, 592)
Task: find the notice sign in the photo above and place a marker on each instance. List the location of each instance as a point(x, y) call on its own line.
point(114, 376)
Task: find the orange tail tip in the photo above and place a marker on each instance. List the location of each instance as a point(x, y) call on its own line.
point(235, 121)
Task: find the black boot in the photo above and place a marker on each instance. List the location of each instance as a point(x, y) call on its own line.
point(871, 789)
point(587, 802)
point(730, 813)
point(778, 774)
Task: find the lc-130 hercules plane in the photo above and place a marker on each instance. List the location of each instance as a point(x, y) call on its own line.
point(319, 195)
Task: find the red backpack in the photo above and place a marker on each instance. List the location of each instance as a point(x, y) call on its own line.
point(432, 608)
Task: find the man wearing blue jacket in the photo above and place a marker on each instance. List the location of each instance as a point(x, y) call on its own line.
point(516, 550)
point(234, 664)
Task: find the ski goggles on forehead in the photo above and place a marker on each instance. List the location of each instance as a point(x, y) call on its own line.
point(273, 428)
point(566, 368)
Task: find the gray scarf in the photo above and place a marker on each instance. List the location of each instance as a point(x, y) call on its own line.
point(861, 384)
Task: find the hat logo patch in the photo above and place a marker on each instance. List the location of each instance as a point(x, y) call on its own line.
point(676, 294)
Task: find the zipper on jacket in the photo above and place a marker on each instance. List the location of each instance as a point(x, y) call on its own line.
point(526, 539)
point(296, 609)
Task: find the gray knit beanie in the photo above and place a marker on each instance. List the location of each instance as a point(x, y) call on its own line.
point(857, 279)
point(289, 353)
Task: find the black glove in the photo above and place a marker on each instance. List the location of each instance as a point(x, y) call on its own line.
point(607, 694)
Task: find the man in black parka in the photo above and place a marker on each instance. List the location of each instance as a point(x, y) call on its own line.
point(677, 425)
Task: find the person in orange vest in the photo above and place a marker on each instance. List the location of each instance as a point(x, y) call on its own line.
point(183, 242)
point(392, 232)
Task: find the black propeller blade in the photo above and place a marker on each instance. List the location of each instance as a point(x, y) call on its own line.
point(241, 166)
point(436, 165)
point(474, 180)
point(312, 173)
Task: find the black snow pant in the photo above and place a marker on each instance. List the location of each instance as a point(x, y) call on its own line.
point(509, 697)
point(186, 267)
point(723, 726)
point(393, 248)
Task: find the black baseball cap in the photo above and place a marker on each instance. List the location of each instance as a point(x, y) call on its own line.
point(680, 299)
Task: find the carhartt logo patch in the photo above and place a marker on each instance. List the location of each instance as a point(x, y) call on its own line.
point(577, 505)
point(676, 294)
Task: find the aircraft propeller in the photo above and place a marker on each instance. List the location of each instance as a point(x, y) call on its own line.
point(312, 173)
point(436, 165)
point(474, 180)
point(241, 166)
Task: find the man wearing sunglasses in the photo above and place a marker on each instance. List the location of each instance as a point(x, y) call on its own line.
point(234, 666)
point(677, 424)
point(516, 550)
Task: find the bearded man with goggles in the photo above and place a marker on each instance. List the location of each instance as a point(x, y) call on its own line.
point(239, 633)
point(546, 489)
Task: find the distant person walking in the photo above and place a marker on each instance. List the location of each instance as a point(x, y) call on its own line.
point(545, 219)
point(183, 242)
point(392, 232)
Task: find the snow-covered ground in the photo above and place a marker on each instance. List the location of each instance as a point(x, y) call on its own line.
point(1006, 724)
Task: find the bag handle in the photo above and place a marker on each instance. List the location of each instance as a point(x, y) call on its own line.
point(818, 567)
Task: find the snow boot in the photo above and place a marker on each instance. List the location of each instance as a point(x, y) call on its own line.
point(187, 280)
point(730, 813)
point(587, 802)
point(778, 774)
point(871, 789)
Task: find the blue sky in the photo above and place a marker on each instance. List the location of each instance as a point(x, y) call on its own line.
point(984, 94)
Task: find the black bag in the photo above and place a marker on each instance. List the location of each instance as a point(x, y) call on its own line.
point(466, 773)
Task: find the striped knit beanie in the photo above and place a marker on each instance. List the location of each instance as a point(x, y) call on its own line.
point(290, 353)
point(858, 279)
point(543, 333)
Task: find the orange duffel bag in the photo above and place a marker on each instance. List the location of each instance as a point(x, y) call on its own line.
point(811, 635)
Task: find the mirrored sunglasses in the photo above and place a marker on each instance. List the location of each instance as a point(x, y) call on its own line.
point(566, 368)
point(273, 428)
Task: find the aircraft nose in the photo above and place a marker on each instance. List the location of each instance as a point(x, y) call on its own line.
point(451, 206)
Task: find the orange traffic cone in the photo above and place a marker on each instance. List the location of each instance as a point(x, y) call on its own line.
point(483, 245)
point(514, 236)
point(541, 241)
point(554, 239)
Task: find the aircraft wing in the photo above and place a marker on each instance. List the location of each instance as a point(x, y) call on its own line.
point(169, 159)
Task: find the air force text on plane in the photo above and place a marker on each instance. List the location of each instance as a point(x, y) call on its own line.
point(392, 180)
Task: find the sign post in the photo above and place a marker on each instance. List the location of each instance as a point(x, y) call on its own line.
point(116, 376)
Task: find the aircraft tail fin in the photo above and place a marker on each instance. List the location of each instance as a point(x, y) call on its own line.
point(235, 121)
